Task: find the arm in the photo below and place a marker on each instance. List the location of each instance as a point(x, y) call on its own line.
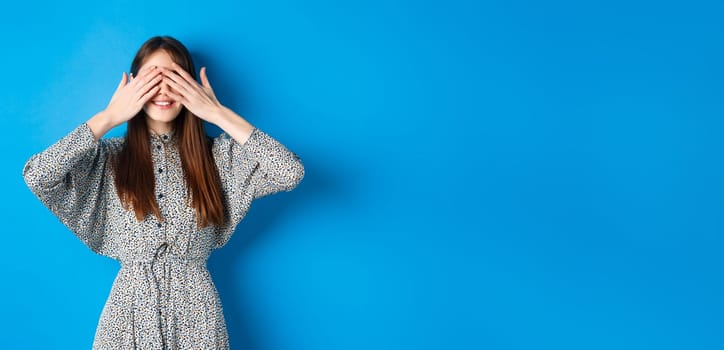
point(277, 168)
point(259, 167)
point(68, 178)
point(251, 164)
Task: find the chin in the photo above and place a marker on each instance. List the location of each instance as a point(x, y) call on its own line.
point(162, 118)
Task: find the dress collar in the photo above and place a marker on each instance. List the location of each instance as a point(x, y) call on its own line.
point(164, 137)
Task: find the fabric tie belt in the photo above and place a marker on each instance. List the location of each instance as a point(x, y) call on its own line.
point(151, 323)
point(161, 252)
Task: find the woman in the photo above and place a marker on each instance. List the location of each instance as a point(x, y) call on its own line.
point(160, 199)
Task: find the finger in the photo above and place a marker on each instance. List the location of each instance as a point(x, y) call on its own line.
point(147, 77)
point(144, 74)
point(124, 80)
point(150, 72)
point(177, 97)
point(146, 70)
point(204, 78)
point(148, 95)
point(174, 77)
point(149, 86)
point(183, 73)
point(183, 90)
point(121, 84)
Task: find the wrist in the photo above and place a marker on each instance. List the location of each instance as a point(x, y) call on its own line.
point(220, 115)
point(100, 123)
point(234, 125)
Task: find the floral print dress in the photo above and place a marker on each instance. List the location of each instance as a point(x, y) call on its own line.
point(163, 296)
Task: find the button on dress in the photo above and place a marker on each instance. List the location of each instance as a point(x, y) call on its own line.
point(163, 296)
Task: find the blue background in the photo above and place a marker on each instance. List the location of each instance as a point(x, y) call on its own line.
point(479, 174)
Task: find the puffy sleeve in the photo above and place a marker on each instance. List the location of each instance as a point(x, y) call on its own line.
point(68, 178)
point(259, 167)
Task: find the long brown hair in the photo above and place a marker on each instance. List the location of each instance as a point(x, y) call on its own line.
point(135, 179)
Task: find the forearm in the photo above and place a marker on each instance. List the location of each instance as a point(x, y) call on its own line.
point(233, 124)
point(278, 169)
point(100, 124)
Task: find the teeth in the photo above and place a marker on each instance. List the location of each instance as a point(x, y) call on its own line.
point(162, 103)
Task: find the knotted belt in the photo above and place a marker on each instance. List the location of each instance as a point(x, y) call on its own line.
point(157, 294)
point(163, 299)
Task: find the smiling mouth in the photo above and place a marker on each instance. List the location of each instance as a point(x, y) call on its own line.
point(162, 104)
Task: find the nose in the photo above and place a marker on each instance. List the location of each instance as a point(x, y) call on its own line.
point(164, 88)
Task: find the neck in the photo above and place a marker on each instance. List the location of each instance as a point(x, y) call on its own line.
point(159, 127)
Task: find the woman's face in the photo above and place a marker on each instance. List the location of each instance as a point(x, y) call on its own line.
point(160, 109)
